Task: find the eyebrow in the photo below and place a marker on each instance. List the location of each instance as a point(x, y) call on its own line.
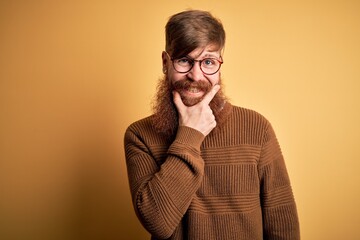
point(207, 55)
point(210, 55)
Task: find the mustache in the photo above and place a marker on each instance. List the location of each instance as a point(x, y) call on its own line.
point(186, 84)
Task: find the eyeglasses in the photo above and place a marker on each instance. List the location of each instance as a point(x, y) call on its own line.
point(208, 66)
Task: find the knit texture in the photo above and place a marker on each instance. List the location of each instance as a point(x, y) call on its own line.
point(231, 184)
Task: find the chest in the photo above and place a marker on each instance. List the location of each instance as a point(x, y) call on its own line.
point(230, 171)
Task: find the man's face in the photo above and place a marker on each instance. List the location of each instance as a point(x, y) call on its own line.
point(194, 84)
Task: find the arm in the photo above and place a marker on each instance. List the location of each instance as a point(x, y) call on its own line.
point(162, 194)
point(280, 219)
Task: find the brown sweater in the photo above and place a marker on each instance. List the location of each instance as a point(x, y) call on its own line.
point(232, 184)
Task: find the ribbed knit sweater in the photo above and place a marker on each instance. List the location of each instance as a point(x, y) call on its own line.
point(231, 184)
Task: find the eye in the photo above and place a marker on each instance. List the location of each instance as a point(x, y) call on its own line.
point(184, 61)
point(208, 62)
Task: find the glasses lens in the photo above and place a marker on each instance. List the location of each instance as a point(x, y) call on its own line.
point(183, 65)
point(210, 65)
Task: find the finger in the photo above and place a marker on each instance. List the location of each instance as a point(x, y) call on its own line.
point(178, 101)
point(210, 95)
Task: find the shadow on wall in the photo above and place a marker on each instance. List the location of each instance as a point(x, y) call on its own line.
point(102, 206)
point(69, 183)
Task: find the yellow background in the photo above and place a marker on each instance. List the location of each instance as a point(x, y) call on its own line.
point(75, 74)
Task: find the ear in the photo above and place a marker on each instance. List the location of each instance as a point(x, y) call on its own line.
point(165, 60)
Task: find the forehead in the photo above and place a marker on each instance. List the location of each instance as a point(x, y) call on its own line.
point(207, 51)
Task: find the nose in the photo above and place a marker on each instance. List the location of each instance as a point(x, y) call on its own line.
point(195, 73)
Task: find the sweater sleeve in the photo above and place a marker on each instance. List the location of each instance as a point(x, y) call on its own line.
point(162, 194)
point(280, 219)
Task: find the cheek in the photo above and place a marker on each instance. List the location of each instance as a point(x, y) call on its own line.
point(175, 76)
point(214, 79)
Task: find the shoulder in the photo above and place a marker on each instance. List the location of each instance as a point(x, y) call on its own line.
point(141, 125)
point(141, 122)
point(138, 131)
point(256, 124)
point(143, 132)
point(249, 116)
point(251, 126)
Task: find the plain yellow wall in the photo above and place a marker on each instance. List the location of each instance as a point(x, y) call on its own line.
point(75, 74)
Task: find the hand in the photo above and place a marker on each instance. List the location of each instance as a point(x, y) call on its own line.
point(199, 116)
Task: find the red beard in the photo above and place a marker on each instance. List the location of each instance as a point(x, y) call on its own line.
point(165, 118)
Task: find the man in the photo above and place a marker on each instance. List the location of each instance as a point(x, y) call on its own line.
point(199, 167)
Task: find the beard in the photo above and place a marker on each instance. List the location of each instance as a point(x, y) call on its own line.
point(165, 117)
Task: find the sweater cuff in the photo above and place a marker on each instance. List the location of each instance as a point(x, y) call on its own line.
point(189, 136)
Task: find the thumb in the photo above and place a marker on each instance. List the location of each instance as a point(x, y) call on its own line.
point(178, 101)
